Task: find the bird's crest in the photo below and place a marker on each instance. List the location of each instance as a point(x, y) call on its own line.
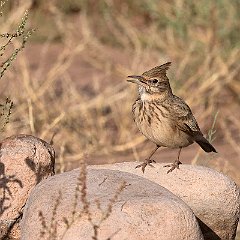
point(159, 71)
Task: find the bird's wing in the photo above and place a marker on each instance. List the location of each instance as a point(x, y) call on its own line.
point(183, 117)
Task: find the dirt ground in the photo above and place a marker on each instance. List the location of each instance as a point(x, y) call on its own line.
point(81, 71)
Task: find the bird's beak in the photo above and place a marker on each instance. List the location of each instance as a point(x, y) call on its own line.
point(137, 80)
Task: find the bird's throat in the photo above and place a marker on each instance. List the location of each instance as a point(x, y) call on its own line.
point(150, 97)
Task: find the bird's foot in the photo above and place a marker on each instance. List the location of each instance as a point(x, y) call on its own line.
point(147, 162)
point(173, 165)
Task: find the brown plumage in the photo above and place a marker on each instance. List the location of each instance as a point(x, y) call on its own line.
point(162, 117)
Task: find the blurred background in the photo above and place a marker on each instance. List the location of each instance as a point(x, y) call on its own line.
point(70, 80)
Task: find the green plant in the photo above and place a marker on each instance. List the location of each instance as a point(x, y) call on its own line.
point(20, 33)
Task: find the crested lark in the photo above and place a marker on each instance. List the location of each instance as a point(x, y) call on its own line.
point(164, 118)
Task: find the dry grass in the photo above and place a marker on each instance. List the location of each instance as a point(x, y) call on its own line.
point(80, 92)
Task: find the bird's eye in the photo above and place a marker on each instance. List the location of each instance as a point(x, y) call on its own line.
point(155, 80)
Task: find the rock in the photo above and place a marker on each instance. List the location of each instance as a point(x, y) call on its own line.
point(142, 210)
point(213, 197)
point(24, 161)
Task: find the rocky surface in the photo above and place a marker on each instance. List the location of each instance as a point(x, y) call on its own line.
point(117, 205)
point(24, 161)
point(213, 197)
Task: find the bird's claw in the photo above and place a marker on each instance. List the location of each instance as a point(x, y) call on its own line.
point(147, 162)
point(173, 166)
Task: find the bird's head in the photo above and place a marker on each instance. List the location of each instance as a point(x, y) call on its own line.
point(153, 83)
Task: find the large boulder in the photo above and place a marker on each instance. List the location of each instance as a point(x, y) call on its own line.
point(213, 197)
point(63, 207)
point(24, 161)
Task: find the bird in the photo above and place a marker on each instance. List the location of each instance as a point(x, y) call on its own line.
point(164, 118)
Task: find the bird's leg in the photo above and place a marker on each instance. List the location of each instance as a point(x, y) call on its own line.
point(175, 164)
point(148, 161)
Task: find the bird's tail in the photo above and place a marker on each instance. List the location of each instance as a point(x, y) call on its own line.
point(205, 145)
